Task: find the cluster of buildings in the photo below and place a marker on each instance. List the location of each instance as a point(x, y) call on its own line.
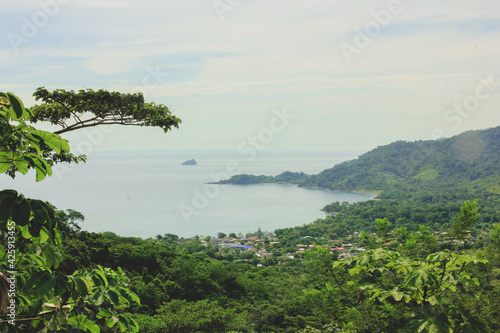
point(262, 246)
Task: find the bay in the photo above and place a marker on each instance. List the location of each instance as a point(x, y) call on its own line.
point(143, 194)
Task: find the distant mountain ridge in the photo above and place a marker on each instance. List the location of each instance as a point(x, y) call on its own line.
point(472, 156)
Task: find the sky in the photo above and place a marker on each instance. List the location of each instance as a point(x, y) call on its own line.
point(275, 76)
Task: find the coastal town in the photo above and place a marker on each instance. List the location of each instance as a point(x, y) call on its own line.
point(235, 247)
point(268, 246)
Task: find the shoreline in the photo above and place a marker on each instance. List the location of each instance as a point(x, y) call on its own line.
point(375, 194)
point(347, 191)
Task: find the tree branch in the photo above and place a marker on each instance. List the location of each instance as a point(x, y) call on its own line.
point(442, 276)
point(16, 320)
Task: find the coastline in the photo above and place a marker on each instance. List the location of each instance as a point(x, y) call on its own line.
point(373, 192)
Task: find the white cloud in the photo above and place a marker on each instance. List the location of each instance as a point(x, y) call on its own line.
point(266, 54)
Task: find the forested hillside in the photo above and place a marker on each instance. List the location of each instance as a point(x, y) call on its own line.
point(470, 159)
point(286, 177)
point(419, 183)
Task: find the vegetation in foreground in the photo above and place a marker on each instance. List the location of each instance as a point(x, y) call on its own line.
point(406, 279)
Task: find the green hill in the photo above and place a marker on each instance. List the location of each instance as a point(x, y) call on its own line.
point(470, 159)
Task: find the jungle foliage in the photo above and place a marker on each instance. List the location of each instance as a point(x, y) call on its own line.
point(36, 294)
point(405, 281)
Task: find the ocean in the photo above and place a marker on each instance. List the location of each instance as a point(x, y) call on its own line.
point(144, 194)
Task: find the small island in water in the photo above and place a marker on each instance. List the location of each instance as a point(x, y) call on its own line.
point(190, 162)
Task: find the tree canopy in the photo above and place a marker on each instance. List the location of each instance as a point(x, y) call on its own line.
point(87, 108)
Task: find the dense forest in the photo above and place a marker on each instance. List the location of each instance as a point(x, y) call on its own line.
point(468, 161)
point(186, 285)
point(422, 258)
point(286, 177)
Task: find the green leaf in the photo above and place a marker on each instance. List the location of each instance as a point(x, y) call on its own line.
point(82, 322)
point(134, 325)
point(92, 327)
point(113, 297)
point(439, 256)
point(43, 236)
point(365, 259)
point(21, 165)
point(52, 140)
point(133, 297)
point(52, 255)
point(3, 100)
point(45, 283)
point(25, 231)
point(433, 328)
point(418, 278)
point(4, 163)
point(82, 286)
point(40, 174)
point(366, 285)
point(42, 168)
point(354, 271)
point(475, 281)
point(61, 285)
point(433, 300)
point(57, 237)
point(123, 323)
point(21, 213)
point(382, 297)
point(37, 249)
point(396, 294)
point(423, 326)
point(337, 263)
point(100, 278)
point(17, 106)
point(35, 259)
point(111, 321)
point(99, 298)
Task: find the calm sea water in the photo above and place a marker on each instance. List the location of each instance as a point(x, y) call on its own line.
point(145, 194)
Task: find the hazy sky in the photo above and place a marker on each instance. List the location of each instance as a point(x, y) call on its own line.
point(276, 75)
